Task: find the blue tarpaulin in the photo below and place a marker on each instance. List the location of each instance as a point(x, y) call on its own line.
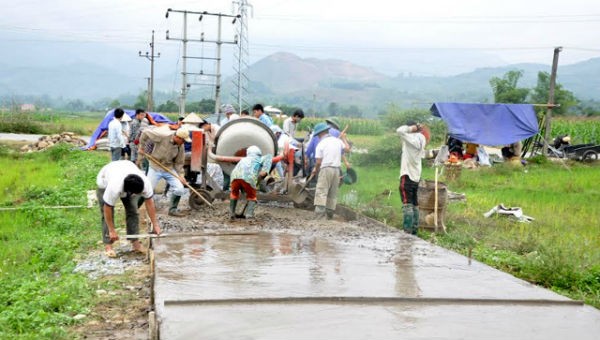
point(101, 129)
point(488, 124)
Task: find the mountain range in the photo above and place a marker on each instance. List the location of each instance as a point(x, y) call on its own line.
point(285, 78)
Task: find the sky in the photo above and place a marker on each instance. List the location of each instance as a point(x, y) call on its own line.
point(375, 33)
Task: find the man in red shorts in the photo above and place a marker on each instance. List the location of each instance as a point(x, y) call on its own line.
point(245, 177)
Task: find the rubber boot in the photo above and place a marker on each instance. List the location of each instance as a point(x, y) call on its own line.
point(408, 215)
point(416, 221)
point(173, 209)
point(320, 212)
point(329, 214)
point(249, 212)
point(232, 205)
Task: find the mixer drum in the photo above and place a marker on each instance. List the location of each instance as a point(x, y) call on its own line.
point(235, 136)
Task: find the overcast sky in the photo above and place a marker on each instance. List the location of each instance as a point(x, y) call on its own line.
point(509, 31)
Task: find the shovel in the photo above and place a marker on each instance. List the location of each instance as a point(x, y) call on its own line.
point(298, 192)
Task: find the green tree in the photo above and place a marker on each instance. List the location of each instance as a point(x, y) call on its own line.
point(505, 89)
point(565, 98)
point(114, 104)
point(169, 106)
point(141, 101)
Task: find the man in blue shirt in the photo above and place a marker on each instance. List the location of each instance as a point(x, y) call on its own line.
point(259, 112)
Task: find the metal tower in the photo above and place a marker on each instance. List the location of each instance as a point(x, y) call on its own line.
point(241, 54)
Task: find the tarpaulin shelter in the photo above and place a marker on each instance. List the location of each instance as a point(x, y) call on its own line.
point(488, 124)
point(153, 117)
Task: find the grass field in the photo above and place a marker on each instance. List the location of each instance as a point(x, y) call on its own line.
point(560, 250)
point(40, 294)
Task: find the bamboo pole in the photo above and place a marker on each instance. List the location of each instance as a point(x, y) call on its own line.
point(157, 162)
point(435, 207)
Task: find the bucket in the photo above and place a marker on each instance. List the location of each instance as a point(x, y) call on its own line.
point(426, 199)
point(237, 135)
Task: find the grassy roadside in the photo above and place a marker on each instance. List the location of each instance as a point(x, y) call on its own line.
point(41, 295)
point(560, 250)
point(81, 123)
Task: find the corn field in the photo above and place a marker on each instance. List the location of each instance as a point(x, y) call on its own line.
point(580, 130)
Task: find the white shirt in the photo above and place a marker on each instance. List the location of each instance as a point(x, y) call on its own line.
point(116, 139)
point(330, 150)
point(111, 177)
point(413, 150)
point(289, 127)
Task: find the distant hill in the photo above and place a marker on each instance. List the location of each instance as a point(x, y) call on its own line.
point(280, 78)
point(288, 78)
point(286, 72)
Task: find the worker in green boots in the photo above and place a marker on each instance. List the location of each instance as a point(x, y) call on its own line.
point(414, 139)
point(245, 177)
point(166, 161)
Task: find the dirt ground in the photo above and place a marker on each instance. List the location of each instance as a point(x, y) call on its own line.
point(124, 313)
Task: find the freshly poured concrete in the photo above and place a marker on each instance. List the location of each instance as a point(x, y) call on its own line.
point(281, 286)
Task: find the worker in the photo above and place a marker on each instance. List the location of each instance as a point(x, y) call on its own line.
point(259, 112)
point(245, 177)
point(309, 155)
point(282, 140)
point(290, 124)
point(414, 139)
point(328, 157)
point(116, 138)
point(229, 111)
point(135, 127)
point(124, 180)
point(210, 131)
point(167, 160)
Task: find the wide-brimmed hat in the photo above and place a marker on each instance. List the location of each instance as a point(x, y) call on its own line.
point(125, 118)
point(334, 123)
point(193, 118)
point(184, 133)
point(320, 128)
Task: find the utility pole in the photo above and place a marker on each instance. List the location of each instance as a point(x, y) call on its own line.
point(150, 56)
point(148, 94)
point(241, 54)
point(219, 42)
point(548, 124)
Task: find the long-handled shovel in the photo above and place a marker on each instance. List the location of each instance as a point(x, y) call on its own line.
point(157, 162)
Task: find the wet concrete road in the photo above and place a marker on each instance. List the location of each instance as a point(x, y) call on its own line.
point(282, 286)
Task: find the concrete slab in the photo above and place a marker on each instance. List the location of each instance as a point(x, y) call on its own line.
point(274, 286)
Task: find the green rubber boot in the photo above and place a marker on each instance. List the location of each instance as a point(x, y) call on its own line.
point(416, 221)
point(320, 212)
point(329, 213)
point(173, 209)
point(249, 212)
point(232, 205)
point(408, 215)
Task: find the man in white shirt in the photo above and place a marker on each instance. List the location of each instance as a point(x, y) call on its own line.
point(414, 139)
point(125, 181)
point(116, 139)
point(328, 161)
point(290, 124)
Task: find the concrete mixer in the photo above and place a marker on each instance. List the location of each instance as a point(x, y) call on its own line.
point(229, 147)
